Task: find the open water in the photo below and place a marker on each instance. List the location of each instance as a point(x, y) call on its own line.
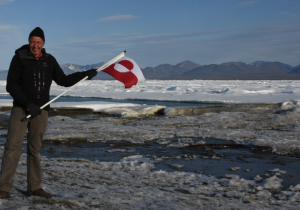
point(136, 101)
point(224, 155)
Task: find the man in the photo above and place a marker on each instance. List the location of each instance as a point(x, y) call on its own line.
point(28, 81)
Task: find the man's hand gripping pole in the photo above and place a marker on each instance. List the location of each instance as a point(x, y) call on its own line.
point(99, 69)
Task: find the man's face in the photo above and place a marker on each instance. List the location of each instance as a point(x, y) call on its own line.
point(36, 45)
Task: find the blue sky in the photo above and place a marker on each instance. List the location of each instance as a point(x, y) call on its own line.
point(155, 32)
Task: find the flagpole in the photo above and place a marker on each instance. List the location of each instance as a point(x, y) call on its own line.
point(121, 55)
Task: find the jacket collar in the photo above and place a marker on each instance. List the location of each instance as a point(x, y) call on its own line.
point(25, 53)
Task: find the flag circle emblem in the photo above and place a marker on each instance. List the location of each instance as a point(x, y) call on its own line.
point(125, 70)
point(124, 66)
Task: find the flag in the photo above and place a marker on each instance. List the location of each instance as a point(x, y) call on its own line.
point(125, 70)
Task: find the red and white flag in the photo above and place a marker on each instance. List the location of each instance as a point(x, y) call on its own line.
point(127, 71)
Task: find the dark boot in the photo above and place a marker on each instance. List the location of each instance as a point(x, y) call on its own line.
point(4, 194)
point(39, 192)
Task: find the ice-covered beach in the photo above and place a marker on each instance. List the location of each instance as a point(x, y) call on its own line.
point(243, 91)
point(249, 114)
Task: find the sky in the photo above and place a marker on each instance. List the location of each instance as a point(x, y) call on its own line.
point(155, 32)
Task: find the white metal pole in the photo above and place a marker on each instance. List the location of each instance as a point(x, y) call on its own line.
point(99, 69)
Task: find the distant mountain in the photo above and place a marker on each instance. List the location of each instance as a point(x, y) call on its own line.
point(240, 70)
point(3, 74)
point(296, 70)
point(188, 65)
point(259, 63)
point(169, 71)
point(70, 68)
point(159, 72)
point(190, 70)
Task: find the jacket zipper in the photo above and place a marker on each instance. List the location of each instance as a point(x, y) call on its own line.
point(44, 78)
point(39, 78)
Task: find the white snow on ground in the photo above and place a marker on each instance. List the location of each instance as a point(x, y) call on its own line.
point(131, 184)
point(95, 105)
point(116, 109)
point(244, 91)
point(278, 129)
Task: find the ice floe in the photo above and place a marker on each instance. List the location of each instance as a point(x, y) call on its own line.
point(268, 118)
point(252, 91)
point(277, 129)
point(130, 183)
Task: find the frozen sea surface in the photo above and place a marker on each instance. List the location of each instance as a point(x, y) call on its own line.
point(262, 114)
point(274, 127)
point(243, 91)
point(131, 183)
point(126, 178)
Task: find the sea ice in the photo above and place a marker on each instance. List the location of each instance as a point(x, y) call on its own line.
point(131, 182)
point(274, 128)
point(295, 188)
point(272, 91)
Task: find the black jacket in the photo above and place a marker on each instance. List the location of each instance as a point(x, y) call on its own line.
point(29, 80)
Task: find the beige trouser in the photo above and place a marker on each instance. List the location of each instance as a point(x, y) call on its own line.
point(13, 149)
